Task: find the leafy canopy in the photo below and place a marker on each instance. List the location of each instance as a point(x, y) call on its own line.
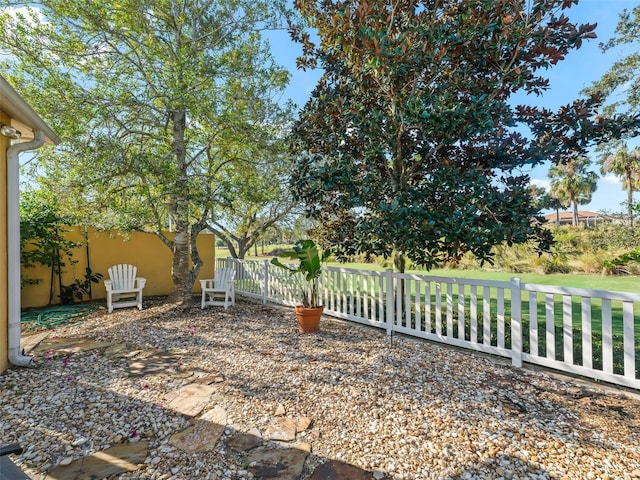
point(411, 142)
point(154, 101)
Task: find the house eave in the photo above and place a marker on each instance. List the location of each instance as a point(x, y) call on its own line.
point(24, 118)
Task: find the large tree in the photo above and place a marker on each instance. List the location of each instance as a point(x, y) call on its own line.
point(410, 143)
point(620, 85)
point(626, 165)
point(573, 183)
point(154, 100)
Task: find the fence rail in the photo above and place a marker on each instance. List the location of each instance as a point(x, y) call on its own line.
point(594, 333)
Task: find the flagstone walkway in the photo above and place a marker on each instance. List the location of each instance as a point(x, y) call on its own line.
point(274, 454)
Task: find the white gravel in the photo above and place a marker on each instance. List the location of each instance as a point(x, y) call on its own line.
point(412, 409)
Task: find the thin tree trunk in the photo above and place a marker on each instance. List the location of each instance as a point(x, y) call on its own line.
point(182, 284)
point(575, 213)
point(630, 199)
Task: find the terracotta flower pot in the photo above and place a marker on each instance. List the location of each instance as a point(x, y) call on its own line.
point(308, 319)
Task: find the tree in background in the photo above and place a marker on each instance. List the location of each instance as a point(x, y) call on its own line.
point(539, 197)
point(153, 100)
point(620, 85)
point(625, 164)
point(572, 183)
point(556, 204)
point(542, 200)
point(256, 199)
point(410, 146)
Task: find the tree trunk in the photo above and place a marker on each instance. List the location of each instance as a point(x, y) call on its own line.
point(630, 198)
point(182, 283)
point(575, 213)
point(399, 261)
point(557, 216)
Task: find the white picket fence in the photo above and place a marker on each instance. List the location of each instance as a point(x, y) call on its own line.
point(593, 333)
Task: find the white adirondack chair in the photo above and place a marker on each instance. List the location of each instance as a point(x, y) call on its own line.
point(221, 290)
point(124, 289)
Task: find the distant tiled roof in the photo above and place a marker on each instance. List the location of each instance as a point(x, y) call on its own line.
point(582, 215)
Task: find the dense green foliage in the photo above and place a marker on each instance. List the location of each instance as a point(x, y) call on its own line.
point(410, 142)
point(41, 239)
point(42, 242)
point(154, 100)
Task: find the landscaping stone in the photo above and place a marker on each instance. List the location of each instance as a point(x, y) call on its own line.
point(243, 442)
point(276, 463)
point(204, 434)
point(151, 362)
point(68, 345)
point(336, 470)
point(189, 400)
point(112, 461)
point(404, 410)
point(281, 428)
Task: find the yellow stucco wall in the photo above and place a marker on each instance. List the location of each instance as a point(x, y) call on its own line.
point(4, 325)
point(144, 250)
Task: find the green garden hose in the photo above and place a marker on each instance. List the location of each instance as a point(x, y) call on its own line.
point(52, 316)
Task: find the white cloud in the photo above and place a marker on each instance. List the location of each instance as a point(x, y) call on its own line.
point(611, 178)
point(538, 182)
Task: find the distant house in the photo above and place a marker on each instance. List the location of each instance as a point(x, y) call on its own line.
point(21, 130)
point(586, 218)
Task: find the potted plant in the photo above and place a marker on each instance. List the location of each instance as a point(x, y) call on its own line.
point(307, 275)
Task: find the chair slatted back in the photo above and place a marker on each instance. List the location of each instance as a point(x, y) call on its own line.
point(123, 276)
point(222, 277)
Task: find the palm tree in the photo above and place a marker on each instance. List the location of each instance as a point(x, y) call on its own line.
point(625, 164)
point(572, 183)
point(556, 204)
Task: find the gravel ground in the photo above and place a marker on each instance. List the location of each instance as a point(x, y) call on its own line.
point(411, 409)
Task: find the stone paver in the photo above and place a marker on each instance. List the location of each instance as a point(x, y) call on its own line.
point(189, 400)
point(243, 442)
point(113, 461)
point(277, 463)
point(153, 362)
point(336, 470)
point(62, 346)
point(282, 428)
point(204, 434)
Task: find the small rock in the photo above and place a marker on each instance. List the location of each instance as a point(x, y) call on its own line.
point(65, 461)
point(302, 424)
point(280, 411)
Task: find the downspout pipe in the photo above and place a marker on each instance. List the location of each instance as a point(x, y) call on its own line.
point(16, 356)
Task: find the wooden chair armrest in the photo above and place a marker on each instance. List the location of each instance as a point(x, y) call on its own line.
point(108, 284)
point(140, 282)
point(208, 283)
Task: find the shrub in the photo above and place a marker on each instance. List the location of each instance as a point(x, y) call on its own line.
point(556, 264)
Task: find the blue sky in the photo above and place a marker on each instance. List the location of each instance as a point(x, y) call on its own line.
point(567, 79)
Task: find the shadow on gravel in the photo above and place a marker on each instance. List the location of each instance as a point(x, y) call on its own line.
point(450, 414)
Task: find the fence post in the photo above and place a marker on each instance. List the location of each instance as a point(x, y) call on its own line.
point(265, 282)
point(389, 302)
point(516, 323)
